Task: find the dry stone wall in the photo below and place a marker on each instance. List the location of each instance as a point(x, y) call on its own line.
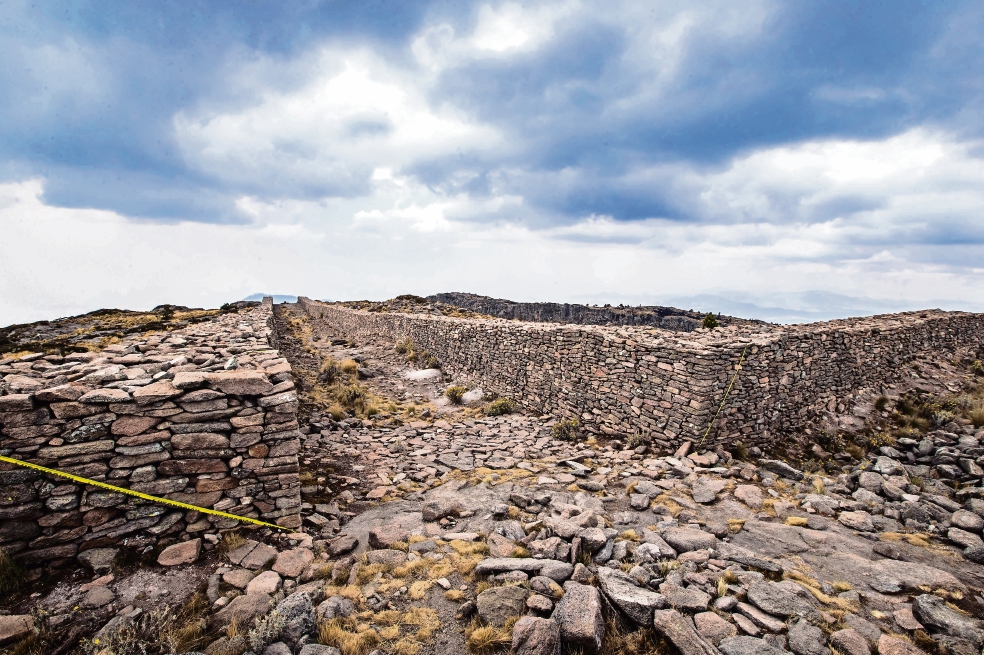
point(205, 415)
point(668, 385)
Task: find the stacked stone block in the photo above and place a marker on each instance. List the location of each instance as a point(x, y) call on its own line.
point(205, 415)
point(668, 385)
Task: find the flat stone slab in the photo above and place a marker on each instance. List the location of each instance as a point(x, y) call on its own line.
point(291, 563)
point(14, 627)
point(185, 552)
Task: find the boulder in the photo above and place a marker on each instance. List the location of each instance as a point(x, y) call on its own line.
point(686, 539)
point(435, 510)
point(385, 536)
point(860, 521)
point(784, 598)
point(291, 563)
point(579, 616)
point(933, 611)
point(536, 636)
point(807, 639)
point(781, 468)
point(748, 646)
point(679, 631)
point(343, 544)
point(185, 552)
point(556, 571)
point(637, 603)
point(100, 560)
point(298, 616)
point(705, 490)
point(14, 627)
point(691, 598)
point(713, 628)
point(267, 582)
point(499, 604)
point(967, 520)
point(850, 642)
point(334, 608)
point(243, 609)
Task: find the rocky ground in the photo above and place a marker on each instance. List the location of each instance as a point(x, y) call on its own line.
point(431, 527)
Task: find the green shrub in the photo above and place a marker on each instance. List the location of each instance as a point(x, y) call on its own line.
point(566, 430)
point(710, 321)
point(330, 372)
point(739, 451)
point(500, 406)
point(881, 402)
point(454, 393)
point(403, 346)
point(977, 367)
point(637, 439)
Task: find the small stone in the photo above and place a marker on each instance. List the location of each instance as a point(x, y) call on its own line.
point(386, 557)
point(905, 619)
point(687, 539)
point(438, 509)
point(748, 646)
point(386, 535)
point(637, 603)
point(318, 649)
point(860, 521)
point(750, 495)
point(539, 603)
point(888, 645)
point(681, 633)
point(100, 560)
point(705, 490)
point(14, 627)
point(243, 610)
point(237, 578)
point(185, 552)
point(807, 639)
point(98, 597)
point(341, 545)
point(691, 599)
point(261, 556)
point(334, 608)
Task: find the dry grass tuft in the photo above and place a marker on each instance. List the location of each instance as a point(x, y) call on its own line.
point(520, 552)
point(418, 590)
point(348, 636)
point(469, 547)
point(454, 595)
point(486, 639)
point(798, 521)
point(735, 525)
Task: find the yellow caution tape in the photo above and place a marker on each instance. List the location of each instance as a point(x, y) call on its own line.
point(727, 391)
point(137, 494)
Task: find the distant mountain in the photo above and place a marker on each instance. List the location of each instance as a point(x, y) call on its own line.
point(276, 298)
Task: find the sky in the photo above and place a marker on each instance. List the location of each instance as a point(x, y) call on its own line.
point(791, 161)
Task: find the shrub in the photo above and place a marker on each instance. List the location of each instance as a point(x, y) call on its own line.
point(976, 416)
point(881, 402)
point(566, 430)
point(403, 346)
point(350, 365)
point(739, 451)
point(331, 371)
point(710, 321)
point(637, 439)
point(454, 393)
point(977, 367)
point(943, 417)
point(500, 406)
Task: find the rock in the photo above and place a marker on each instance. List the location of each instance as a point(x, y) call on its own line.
point(237, 578)
point(748, 646)
point(750, 495)
point(335, 607)
point(100, 560)
point(546, 587)
point(639, 501)
point(912, 575)
point(887, 466)
point(539, 603)
point(860, 521)
point(267, 582)
point(784, 598)
point(536, 636)
point(713, 628)
point(865, 628)
point(963, 538)
point(932, 611)
point(807, 639)
point(499, 546)
point(637, 603)
point(593, 538)
point(15, 626)
point(343, 544)
point(259, 557)
point(318, 649)
point(277, 648)
point(435, 510)
point(681, 598)
point(850, 642)
point(185, 552)
point(975, 554)
point(579, 615)
point(298, 615)
point(243, 609)
point(888, 645)
point(237, 383)
point(905, 619)
point(581, 574)
point(686, 539)
point(557, 571)
point(679, 631)
point(758, 618)
point(504, 564)
point(781, 468)
point(291, 563)
point(499, 604)
point(386, 535)
point(705, 490)
point(98, 597)
point(967, 520)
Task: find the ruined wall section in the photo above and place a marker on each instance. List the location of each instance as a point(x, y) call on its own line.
point(205, 415)
point(668, 385)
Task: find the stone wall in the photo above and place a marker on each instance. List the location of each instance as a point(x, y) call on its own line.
point(621, 380)
point(205, 415)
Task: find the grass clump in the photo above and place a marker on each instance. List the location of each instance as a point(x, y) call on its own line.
point(481, 639)
point(11, 574)
point(455, 393)
point(348, 636)
point(500, 406)
point(567, 429)
point(710, 321)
